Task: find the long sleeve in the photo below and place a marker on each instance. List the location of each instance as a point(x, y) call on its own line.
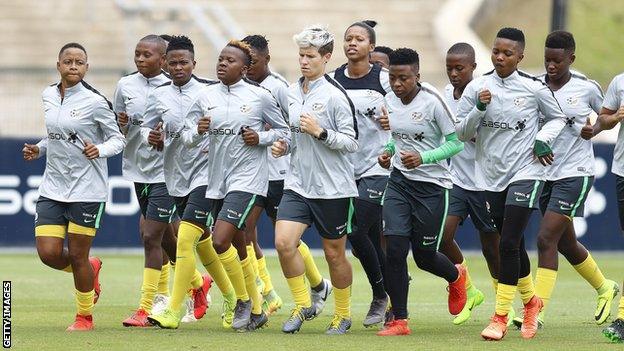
point(153, 115)
point(114, 141)
point(43, 147)
point(344, 138)
point(451, 147)
point(596, 97)
point(274, 116)
point(120, 106)
point(554, 116)
point(469, 115)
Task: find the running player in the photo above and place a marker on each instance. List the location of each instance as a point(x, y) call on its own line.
point(569, 178)
point(238, 171)
point(379, 55)
point(82, 134)
point(366, 86)
point(170, 124)
point(503, 107)
point(319, 185)
point(466, 198)
point(416, 199)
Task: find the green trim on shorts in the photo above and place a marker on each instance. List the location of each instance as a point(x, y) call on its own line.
point(99, 216)
point(446, 206)
point(145, 191)
point(383, 196)
point(251, 204)
point(209, 220)
point(173, 212)
point(534, 193)
point(350, 216)
point(580, 199)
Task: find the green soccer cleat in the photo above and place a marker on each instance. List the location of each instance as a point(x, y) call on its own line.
point(229, 303)
point(475, 298)
point(615, 332)
point(603, 309)
point(272, 302)
point(168, 319)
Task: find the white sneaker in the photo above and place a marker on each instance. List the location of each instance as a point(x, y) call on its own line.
point(189, 316)
point(320, 298)
point(160, 303)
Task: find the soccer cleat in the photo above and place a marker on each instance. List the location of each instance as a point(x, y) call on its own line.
point(96, 264)
point(615, 332)
point(272, 302)
point(297, 316)
point(160, 303)
point(189, 315)
point(260, 285)
point(603, 309)
point(511, 316)
point(138, 319)
point(531, 312)
point(497, 328)
point(242, 314)
point(319, 298)
point(229, 304)
point(82, 323)
point(376, 312)
point(338, 326)
point(474, 299)
point(389, 316)
point(256, 321)
point(168, 319)
point(457, 292)
point(200, 300)
point(395, 327)
point(517, 321)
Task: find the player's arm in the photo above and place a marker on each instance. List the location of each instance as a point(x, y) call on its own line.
point(114, 141)
point(471, 111)
point(119, 107)
point(452, 145)
point(344, 138)
point(273, 115)
point(612, 112)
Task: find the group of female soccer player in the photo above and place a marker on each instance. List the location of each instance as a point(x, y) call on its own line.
point(361, 152)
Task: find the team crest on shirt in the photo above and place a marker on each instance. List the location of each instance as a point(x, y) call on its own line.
point(245, 109)
point(317, 106)
point(519, 101)
point(572, 100)
point(75, 113)
point(417, 116)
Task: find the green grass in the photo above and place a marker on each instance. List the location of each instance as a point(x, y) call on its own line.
point(43, 307)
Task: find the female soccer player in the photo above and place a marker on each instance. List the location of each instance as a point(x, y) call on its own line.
point(379, 55)
point(416, 199)
point(320, 186)
point(366, 86)
point(82, 134)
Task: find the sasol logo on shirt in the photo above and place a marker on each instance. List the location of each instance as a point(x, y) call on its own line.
point(222, 131)
point(370, 112)
point(520, 125)
point(294, 129)
point(416, 136)
point(57, 136)
point(173, 135)
point(570, 121)
point(136, 122)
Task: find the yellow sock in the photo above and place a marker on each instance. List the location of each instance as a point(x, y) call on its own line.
point(264, 275)
point(232, 265)
point(250, 284)
point(67, 269)
point(342, 299)
point(311, 271)
point(544, 284)
point(589, 270)
point(185, 271)
point(504, 298)
point(300, 291)
point(468, 280)
point(526, 288)
point(149, 287)
point(163, 280)
point(495, 284)
point(84, 302)
point(251, 253)
point(621, 309)
point(211, 262)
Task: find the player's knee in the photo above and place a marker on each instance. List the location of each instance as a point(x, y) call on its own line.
point(78, 256)
point(490, 253)
point(334, 256)
point(284, 246)
point(220, 244)
point(48, 257)
point(544, 244)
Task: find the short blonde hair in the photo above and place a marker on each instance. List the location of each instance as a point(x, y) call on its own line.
point(242, 46)
point(317, 36)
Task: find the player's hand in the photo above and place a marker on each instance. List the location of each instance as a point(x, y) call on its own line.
point(384, 160)
point(619, 114)
point(30, 152)
point(383, 120)
point(546, 160)
point(250, 137)
point(278, 149)
point(411, 159)
point(309, 124)
point(485, 96)
point(122, 119)
point(203, 125)
point(156, 137)
point(587, 132)
point(90, 150)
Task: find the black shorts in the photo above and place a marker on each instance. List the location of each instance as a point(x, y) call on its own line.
point(333, 218)
point(415, 209)
point(155, 202)
point(78, 217)
point(619, 186)
point(271, 202)
point(466, 203)
point(522, 193)
point(372, 188)
point(566, 196)
point(195, 207)
point(234, 208)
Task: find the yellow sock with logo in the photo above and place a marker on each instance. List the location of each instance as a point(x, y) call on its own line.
point(545, 284)
point(232, 265)
point(186, 275)
point(84, 302)
point(590, 271)
point(212, 263)
point(264, 275)
point(311, 270)
point(342, 299)
point(250, 284)
point(149, 288)
point(163, 280)
point(504, 298)
point(526, 288)
point(300, 291)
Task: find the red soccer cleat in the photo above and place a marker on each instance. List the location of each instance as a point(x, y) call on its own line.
point(531, 312)
point(395, 328)
point(138, 319)
point(82, 323)
point(199, 297)
point(96, 264)
point(457, 292)
point(497, 328)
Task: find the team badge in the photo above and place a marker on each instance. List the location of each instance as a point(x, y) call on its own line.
point(572, 100)
point(245, 109)
point(519, 101)
point(75, 113)
point(417, 116)
point(317, 107)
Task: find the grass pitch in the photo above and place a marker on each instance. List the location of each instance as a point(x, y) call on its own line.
point(43, 307)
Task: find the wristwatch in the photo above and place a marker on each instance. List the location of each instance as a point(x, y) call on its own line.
point(323, 135)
